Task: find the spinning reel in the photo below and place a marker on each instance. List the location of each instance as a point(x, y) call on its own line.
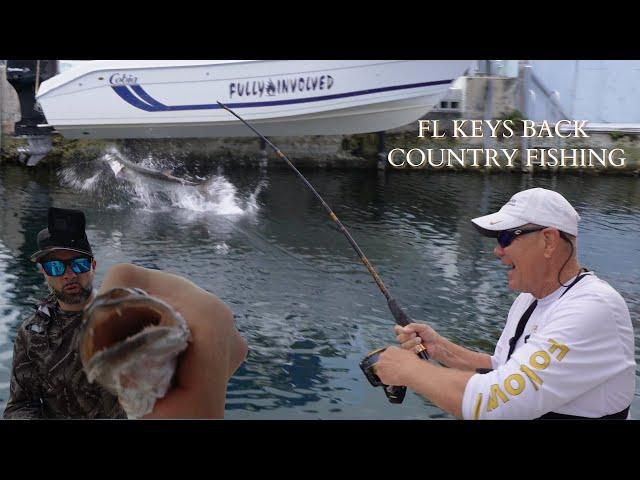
point(394, 393)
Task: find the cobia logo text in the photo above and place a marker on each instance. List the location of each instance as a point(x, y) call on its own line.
point(123, 79)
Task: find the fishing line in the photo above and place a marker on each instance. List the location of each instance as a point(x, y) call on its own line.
point(398, 313)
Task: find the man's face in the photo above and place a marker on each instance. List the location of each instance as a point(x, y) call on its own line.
point(70, 287)
point(525, 256)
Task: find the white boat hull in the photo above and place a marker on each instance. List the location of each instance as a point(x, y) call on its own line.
point(178, 99)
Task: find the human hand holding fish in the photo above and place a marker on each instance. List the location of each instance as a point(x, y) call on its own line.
point(135, 366)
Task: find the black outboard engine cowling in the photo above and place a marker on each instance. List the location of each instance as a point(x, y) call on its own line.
point(21, 74)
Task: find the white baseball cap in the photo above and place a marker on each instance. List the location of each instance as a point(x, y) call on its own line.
point(538, 206)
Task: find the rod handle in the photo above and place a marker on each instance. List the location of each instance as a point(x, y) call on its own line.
point(403, 320)
point(423, 354)
point(400, 317)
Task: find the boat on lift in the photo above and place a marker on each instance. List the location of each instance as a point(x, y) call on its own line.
point(178, 98)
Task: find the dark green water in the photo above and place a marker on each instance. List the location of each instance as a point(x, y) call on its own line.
point(307, 307)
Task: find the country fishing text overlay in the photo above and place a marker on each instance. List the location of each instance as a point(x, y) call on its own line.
point(526, 130)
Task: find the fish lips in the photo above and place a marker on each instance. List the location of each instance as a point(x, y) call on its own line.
point(122, 322)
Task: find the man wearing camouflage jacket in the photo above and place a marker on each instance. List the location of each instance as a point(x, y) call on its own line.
point(47, 380)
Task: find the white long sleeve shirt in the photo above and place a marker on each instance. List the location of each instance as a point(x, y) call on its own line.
point(575, 357)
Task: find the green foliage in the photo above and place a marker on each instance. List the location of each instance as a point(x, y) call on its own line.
point(515, 116)
point(616, 135)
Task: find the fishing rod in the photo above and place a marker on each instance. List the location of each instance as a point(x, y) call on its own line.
point(401, 318)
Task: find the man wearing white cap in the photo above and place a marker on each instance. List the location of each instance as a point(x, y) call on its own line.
point(567, 349)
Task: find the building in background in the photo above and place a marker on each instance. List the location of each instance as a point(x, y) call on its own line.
point(606, 93)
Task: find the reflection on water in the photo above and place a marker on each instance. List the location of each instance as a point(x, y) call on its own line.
point(309, 310)
point(8, 319)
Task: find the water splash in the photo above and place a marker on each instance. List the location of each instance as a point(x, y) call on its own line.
point(217, 194)
point(115, 185)
point(70, 177)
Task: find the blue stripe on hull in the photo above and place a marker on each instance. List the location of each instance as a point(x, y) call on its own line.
point(146, 102)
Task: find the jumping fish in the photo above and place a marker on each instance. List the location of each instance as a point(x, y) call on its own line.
point(129, 344)
point(166, 175)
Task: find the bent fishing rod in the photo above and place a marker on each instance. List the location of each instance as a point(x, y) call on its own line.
point(398, 313)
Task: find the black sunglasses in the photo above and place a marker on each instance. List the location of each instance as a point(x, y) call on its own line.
point(507, 236)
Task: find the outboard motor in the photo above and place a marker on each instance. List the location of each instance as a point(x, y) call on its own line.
point(21, 74)
point(25, 76)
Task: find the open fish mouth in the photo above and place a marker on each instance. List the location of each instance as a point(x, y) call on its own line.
point(129, 344)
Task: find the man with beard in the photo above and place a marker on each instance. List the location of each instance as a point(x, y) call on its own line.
point(47, 379)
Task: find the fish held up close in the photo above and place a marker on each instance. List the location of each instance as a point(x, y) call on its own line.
point(130, 343)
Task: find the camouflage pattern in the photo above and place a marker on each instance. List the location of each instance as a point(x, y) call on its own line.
point(47, 380)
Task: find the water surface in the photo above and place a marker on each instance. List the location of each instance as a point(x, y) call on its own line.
point(306, 305)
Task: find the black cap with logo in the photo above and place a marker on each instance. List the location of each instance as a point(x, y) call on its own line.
point(66, 231)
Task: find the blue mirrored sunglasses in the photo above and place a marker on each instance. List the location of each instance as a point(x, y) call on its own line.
point(55, 268)
point(507, 236)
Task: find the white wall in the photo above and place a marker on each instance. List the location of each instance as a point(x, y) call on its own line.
point(601, 91)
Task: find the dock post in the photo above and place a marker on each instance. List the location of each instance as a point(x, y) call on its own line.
point(382, 157)
point(526, 103)
point(263, 154)
point(487, 141)
point(3, 80)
